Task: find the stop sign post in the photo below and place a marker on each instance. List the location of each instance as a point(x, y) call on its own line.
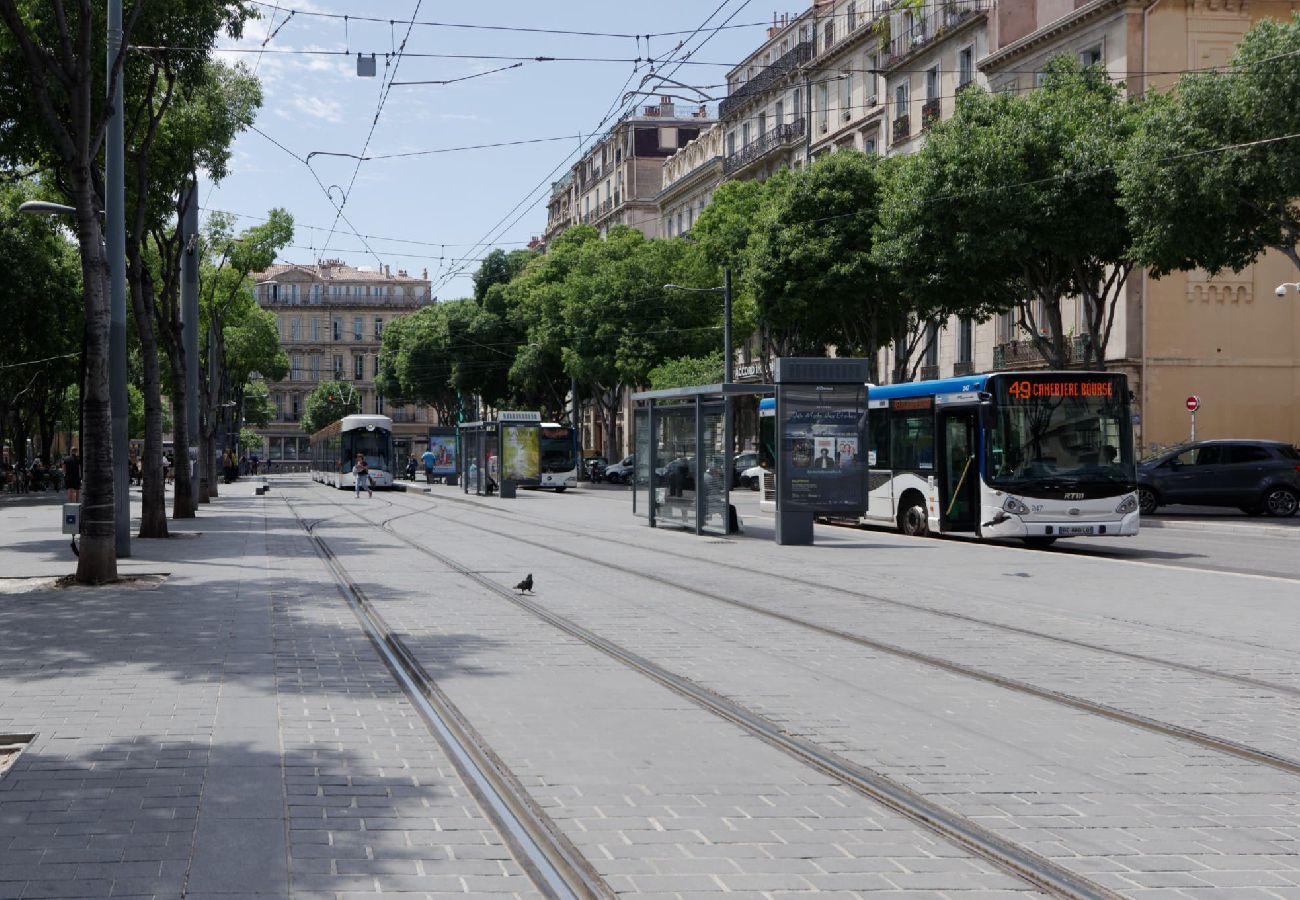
point(1193, 404)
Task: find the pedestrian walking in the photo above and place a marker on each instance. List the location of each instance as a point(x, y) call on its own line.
point(362, 472)
point(410, 468)
point(428, 459)
point(72, 475)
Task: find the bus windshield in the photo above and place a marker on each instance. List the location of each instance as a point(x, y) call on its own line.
point(558, 453)
point(1060, 430)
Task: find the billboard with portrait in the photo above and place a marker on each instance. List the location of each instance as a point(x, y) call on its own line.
point(442, 444)
point(821, 430)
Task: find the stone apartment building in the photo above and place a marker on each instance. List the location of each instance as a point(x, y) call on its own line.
point(331, 318)
point(619, 178)
point(873, 76)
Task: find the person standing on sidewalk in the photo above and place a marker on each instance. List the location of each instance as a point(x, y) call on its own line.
point(362, 471)
point(72, 475)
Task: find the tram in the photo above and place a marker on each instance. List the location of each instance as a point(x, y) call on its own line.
point(335, 447)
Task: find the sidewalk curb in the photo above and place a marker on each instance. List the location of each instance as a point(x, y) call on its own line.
point(1203, 525)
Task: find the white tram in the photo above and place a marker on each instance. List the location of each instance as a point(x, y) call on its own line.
point(335, 447)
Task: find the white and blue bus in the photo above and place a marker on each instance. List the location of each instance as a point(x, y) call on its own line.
point(335, 447)
point(1032, 455)
point(559, 457)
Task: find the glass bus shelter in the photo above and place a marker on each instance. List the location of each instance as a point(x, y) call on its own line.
point(685, 449)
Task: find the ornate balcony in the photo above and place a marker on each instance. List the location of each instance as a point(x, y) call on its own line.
point(963, 368)
point(1024, 355)
point(801, 54)
point(779, 136)
point(928, 373)
point(950, 14)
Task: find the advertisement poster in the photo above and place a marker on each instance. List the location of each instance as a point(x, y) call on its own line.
point(822, 432)
point(521, 453)
point(443, 448)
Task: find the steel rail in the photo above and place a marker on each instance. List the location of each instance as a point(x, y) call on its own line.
point(556, 867)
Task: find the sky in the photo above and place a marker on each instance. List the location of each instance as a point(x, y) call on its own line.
point(444, 211)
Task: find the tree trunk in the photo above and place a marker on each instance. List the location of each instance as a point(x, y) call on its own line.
point(183, 484)
point(153, 516)
point(97, 562)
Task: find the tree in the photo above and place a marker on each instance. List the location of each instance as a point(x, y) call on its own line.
point(499, 268)
point(41, 311)
point(811, 265)
point(1194, 205)
point(227, 301)
point(415, 361)
point(687, 370)
point(1014, 204)
point(328, 402)
point(59, 113)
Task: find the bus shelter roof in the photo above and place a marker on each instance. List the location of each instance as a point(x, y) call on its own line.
point(704, 391)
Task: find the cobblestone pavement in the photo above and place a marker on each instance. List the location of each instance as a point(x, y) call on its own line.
point(229, 731)
point(1137, 811)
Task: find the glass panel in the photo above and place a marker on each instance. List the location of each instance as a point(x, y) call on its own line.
point(641, 484)
point(714, 481)
point(675, 466)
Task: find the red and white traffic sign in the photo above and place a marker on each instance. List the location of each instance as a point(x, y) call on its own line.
point(1193, 403)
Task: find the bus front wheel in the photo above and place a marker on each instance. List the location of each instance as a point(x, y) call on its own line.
point(913, 519)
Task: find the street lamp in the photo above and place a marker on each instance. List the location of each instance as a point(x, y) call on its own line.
point(116, 375)
point(1282, 288)
point(725, 291)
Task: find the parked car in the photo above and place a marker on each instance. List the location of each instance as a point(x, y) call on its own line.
point(678, 474)
point(1258, 477)
point(752, 478)
point(740, 462)
point(622, 471)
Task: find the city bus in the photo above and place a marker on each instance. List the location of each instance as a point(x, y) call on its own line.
point(335, 447)
point(559, 455)
point(1035, 455)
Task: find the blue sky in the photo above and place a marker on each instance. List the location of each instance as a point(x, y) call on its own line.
point(407, 209)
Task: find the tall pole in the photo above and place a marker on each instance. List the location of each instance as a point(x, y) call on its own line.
point(729, 358)
point(115, 243)
point(190, 312)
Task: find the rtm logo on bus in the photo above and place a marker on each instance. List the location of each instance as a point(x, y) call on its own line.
point(1032, 390)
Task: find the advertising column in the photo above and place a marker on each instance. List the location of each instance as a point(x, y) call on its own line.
point(521, 452)
point(821, 428)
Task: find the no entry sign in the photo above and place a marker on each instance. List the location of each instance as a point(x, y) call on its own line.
point(1193, 403)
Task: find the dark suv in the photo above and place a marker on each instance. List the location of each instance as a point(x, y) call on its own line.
point(1258, 477)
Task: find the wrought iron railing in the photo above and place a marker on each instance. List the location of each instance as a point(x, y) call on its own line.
point(960, 367)
point(902, 128)
point(1024, 354)
point(929, 113)
point(801, 54)
point(950, 14)
point(929, 373)
point(779, 136)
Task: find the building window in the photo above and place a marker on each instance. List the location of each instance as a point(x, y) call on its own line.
point(271, 292)
point(338, 366)
point(379, 405)
point(762, 124)
point(379, 326)
point(796, 103)
point(965, 340)
point(965, 67)
point(315, 367)
point(278, 400)
point(869, 146)
point(1092, 56)
point(846, 94)
point(900, 99)
point(731, 143)
point(932, 83)
point(852, 16)
point(295, 329)
point(297, 412)
point(780, 113)
point(356, 329)
point(315, 329)
point(1006, 326)
point(358, 367)
point(338, 329)
point(932, 344)
point(830, 35)
point(376, 365)
point(744, 135)
point(823, 101)
point(295, 367)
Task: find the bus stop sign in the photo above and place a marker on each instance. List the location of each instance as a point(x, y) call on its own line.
point(1193, 403)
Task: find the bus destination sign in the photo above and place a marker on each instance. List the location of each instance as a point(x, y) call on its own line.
point(1026, 390)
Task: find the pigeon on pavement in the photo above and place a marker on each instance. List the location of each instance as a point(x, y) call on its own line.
point(525, 586)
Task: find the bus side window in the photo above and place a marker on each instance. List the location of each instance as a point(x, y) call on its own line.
point(912, 432)
point(878, 429)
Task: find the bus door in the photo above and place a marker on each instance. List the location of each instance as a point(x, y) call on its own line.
point(958, 468)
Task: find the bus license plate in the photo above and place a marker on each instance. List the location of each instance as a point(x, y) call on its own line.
point(1076, 529)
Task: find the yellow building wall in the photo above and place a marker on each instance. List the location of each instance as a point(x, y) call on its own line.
point(1227, 339)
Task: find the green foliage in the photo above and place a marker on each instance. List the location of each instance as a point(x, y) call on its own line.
point(250, 441)
point(253, 346)
point(1014, 199)
point(1194, 206)
point(328, 402)
point(257, 404)
point(686, 371)
point(498, 268)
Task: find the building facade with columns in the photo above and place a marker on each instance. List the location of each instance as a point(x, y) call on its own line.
point(331, 318)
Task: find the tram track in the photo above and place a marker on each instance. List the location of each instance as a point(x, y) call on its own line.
point(555, 866)
point(1023, 863)
point(1226, 746)
point(1023, 631)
